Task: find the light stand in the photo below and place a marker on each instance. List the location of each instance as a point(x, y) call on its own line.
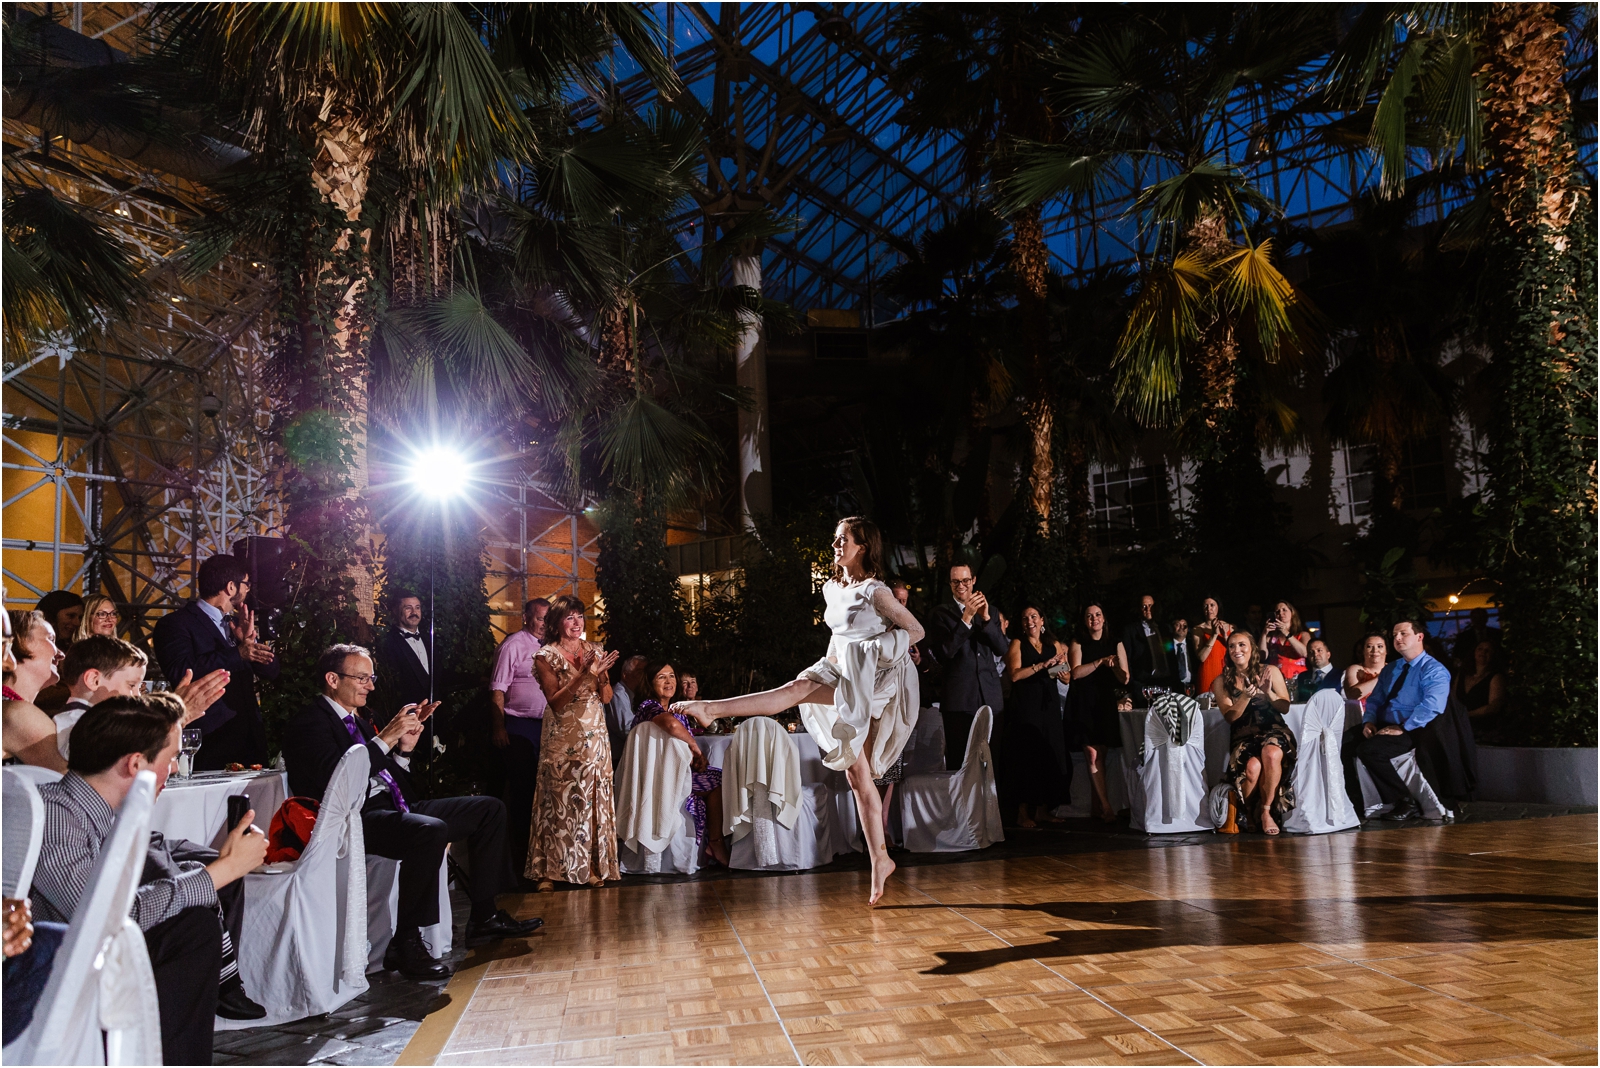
point(438, 473)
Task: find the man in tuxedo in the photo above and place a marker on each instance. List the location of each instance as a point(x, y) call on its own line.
point(1184, 673)
point(405, 672)
point(1319, 673)
point(966, 638)
point(219, 632)
point(396, 821)
point(1147, 644)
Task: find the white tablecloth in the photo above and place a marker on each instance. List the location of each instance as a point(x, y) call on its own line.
point(196, 809)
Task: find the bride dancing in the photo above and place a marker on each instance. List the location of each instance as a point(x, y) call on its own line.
point(860, 702)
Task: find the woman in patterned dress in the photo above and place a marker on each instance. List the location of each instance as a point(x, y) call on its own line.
point(1261, 749)
point(574, 810)
point(705, 790)
point(860, 702)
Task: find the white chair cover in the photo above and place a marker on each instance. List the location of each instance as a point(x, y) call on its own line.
point(952, 811)
point(100, 1005)
point(303, 948)
point(24, 831)
point(35, 774)
point(1321, 803)
point(383, 910)
point(770, 846)
point(925, 750)
point(1411, 774)
point(655, 833)
point(761, 754)
point(1167, 788)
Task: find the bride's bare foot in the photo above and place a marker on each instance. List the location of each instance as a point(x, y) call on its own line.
point(882, 868)
point(695, 710)
point(1024, 820)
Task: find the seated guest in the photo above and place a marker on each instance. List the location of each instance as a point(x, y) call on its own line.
point(1261, 749)
point(100, 616)
point(63, 610)
point(30, 950)
point(689, 686)
point(1359, 679)
point(177, 907)
point(705, 798)
point(29, 733)
point(1409, 695)
point(98, 667)
point(1123, 701)
point(396, 821)
point(1482, 686)
point(619, 709)
point(1284, 641)
point(1319, 673)
point(219, 632)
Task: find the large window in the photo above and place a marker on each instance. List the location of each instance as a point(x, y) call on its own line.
point(1130, 505)
point(1422, 476)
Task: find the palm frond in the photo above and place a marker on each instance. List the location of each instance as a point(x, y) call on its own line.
point(1207, 188)
point(645, 446)
point(1162, 323)
point(1253, 284)
point(76, 273)
point(485, 355)
point(1042, 172)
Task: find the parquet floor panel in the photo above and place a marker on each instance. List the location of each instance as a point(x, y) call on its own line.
point(1473, 943)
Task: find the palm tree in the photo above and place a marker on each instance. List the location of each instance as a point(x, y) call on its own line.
point(1152, 92)
point(368, 120)
point(1489, 84)
point(980, 72)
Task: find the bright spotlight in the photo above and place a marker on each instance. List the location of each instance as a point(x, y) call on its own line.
point(440, 472)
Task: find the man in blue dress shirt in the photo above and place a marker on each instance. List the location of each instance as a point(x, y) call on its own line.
point(1411, 692)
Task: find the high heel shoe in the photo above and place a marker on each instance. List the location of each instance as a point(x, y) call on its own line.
point(546, 887)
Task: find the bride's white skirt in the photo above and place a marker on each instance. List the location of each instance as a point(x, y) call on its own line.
point(872, 679)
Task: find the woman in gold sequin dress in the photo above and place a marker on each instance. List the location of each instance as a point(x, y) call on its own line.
point(574, 834)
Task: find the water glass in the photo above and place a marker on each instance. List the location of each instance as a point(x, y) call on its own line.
point(189, 746)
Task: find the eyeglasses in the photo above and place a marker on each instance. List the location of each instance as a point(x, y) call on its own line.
point(962, 582)
point(370, 678)
point(106, 615)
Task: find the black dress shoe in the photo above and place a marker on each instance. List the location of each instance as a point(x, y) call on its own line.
point(410, 957)
point(234, 1004)
point(501, 925)
point(1405, 810)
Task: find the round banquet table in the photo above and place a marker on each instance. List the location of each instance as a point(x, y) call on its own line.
point(197, 808)
point(812, 769)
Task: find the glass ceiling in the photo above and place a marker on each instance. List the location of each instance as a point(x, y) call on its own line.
point(808, 88)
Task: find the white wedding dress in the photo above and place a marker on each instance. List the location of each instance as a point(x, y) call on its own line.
point(869, 667)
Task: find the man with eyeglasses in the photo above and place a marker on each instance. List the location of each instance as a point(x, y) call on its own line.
point(966, 638)
point(396, 821)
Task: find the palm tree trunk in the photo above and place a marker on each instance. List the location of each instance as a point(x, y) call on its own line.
point(1541, 489)
point(1030, 262)
point(750, 373)
point(1219, 349)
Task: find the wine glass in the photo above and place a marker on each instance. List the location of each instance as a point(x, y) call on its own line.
point(189, 746)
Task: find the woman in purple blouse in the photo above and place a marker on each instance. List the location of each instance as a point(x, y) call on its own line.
point(705, 798)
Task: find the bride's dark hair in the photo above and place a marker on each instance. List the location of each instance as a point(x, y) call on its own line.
point(864, 532)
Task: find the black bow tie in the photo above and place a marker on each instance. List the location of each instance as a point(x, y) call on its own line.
point(411, 635)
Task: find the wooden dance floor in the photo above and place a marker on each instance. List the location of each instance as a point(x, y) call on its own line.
point(1444, 944)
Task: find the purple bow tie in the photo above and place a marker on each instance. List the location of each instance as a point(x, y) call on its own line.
point(384, 776)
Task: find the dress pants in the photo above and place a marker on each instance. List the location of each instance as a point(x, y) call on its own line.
point(522, 774)
point(26, 975)
point(417, 839)
point(185, 954)
point(957, 725)
point(241, 740)
point(1376, 753)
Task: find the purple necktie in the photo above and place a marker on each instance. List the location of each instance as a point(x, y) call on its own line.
point(384, 776)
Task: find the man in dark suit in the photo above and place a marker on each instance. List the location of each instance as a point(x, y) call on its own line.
point(396, 821)
point(1319, 673)
point(1148, 646)
point(404, 666)
point(966, 638)
point(219, 632)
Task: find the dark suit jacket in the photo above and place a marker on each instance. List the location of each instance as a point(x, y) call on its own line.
point(187, 640)
point(1140, 670)
point(970, 679)
point(1301, 688)
point(314, 742)
point(401, 678)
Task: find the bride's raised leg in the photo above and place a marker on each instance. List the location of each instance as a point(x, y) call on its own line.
point(870, 808)
point(765, 703)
